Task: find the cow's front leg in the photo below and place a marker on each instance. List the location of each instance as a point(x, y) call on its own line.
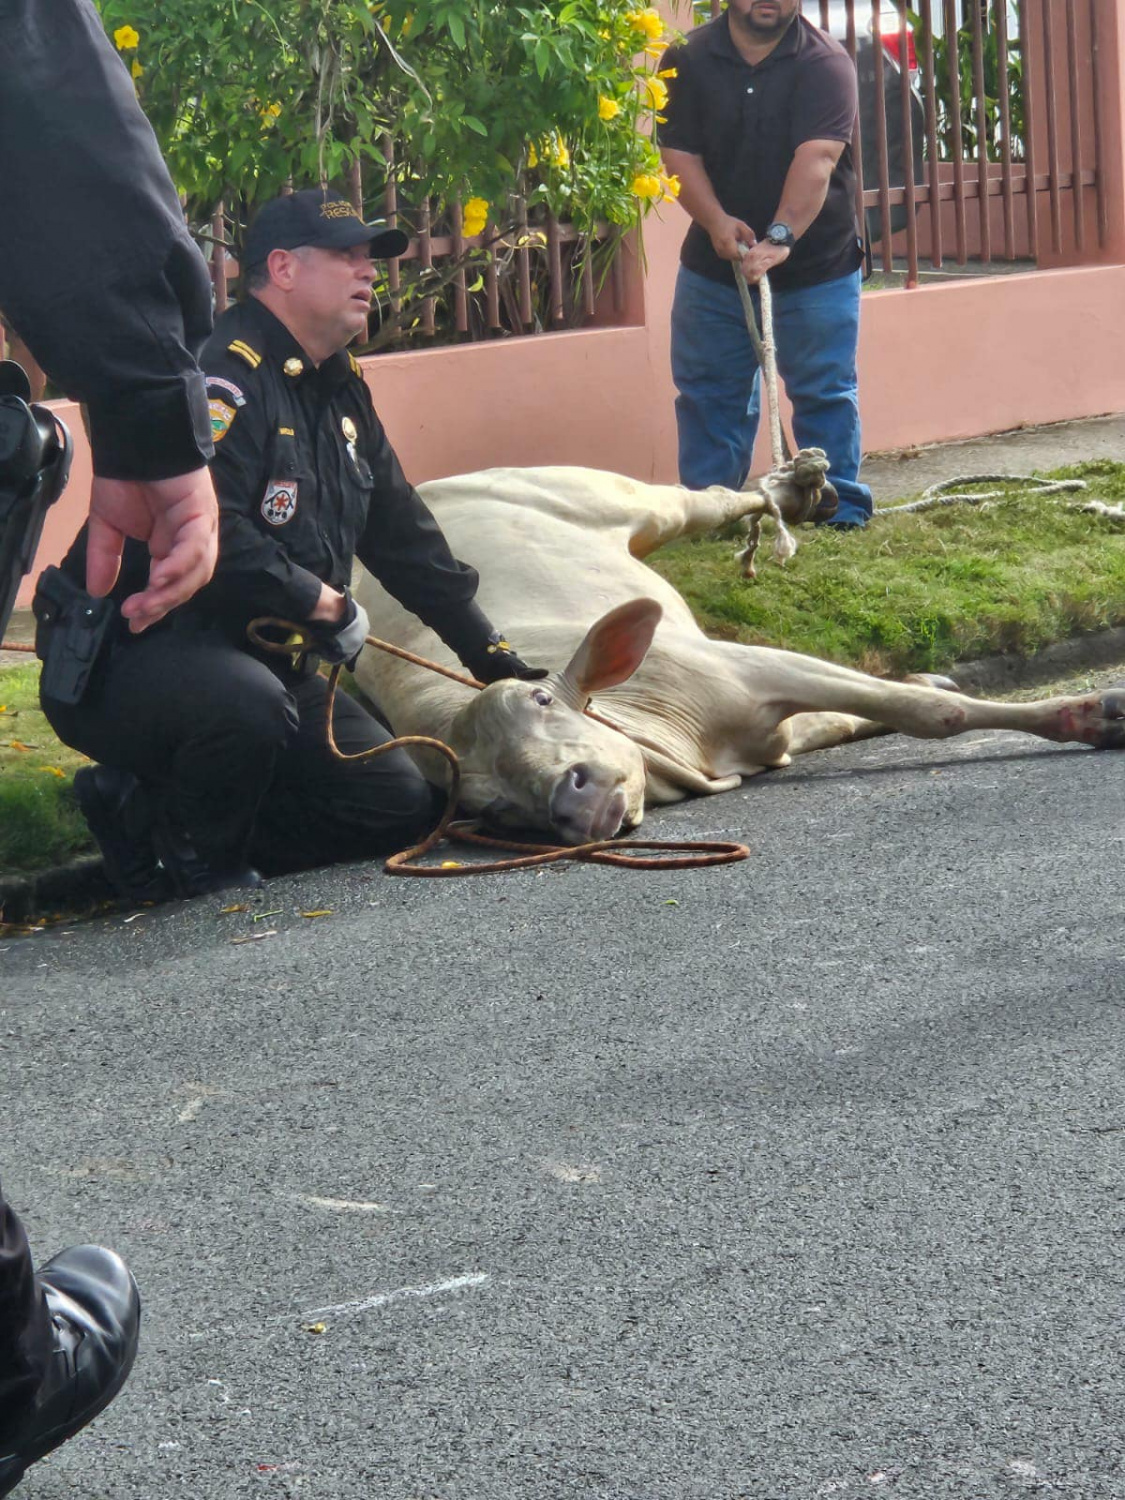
point(1096, 719)
point(792, 684)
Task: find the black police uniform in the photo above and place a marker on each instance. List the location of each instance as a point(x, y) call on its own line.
point(233, 743)
point(98, 272)
point(101, 279)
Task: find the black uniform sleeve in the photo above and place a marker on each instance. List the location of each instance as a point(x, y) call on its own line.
point(825, 109)
point(682, 126)
point(405, 549)
point(97, 271)
point(255, 574)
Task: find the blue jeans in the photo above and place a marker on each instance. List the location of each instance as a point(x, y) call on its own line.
point(816, 330)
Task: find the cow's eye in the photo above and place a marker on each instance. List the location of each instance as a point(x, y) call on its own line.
point(542, 697)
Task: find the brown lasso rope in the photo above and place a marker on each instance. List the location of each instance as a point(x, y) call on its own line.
point(681, 856)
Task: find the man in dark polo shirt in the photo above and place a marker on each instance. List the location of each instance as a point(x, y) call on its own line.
point(759, 123)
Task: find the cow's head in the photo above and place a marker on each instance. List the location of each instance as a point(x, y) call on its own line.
point(531, 758)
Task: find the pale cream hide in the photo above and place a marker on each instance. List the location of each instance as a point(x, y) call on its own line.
point(559, 555)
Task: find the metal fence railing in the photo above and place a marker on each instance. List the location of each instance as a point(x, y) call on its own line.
point(530, 274)
point(974, 114)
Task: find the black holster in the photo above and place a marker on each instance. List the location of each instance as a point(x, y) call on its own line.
point(73, 633)
point(35, 452)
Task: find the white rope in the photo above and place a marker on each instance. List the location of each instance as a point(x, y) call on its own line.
point(937, 493)
point(766, 351)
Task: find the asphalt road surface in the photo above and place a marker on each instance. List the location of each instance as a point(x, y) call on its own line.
point(798, 1178)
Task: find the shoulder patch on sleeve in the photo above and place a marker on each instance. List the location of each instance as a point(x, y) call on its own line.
point(244, 351)
point(224, 390)
point(222, 416)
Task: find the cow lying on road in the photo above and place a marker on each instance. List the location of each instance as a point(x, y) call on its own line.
point(559, 552)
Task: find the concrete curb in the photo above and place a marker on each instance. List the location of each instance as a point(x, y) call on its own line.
point(82, 883)
point(73, 887)
point(994, 675)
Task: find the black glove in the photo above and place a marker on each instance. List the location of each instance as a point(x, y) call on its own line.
point(496, 660)
point(343, 640)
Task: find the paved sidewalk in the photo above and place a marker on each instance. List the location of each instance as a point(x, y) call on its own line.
point(900, 474)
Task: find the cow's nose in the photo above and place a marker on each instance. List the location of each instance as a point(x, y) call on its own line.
point(587, 805)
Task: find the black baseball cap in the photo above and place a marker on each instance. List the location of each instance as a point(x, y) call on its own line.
point(317, 217)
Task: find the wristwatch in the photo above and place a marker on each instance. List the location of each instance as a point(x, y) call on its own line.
point(781, 235)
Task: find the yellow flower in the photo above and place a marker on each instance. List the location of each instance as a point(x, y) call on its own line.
point(668, 73)
point(656, 92)
point(269, 113)
point(646, 185)
point(136, 69)
point(671, 186)
point(655, 49)
point(553, 146)
point(126, 38)
point(647, 21)
point(474, 216)
point(607, 108)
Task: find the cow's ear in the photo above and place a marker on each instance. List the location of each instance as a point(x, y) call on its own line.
point(612, 651)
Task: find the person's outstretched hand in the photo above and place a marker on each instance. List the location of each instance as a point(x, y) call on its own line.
point(177, 517)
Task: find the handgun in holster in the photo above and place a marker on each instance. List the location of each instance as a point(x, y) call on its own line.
point(72, 632)
point(35, 454)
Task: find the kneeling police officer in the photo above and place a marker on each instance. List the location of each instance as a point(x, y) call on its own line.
point(212, 757)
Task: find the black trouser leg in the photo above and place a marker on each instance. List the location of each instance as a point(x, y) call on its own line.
point(318, 810)
point(25, 1331)
point(199, 721)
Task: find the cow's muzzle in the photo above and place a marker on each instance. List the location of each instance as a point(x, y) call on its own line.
point(584, 809)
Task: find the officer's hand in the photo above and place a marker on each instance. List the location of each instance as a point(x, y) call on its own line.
point(731, 238)
point(497, 660)
point(177, 517)
point(343, 640)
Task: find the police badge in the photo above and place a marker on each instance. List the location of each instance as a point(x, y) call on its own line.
point(280, 501)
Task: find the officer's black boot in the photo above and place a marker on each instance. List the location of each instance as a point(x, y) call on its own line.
point(193, 875)
point(117, 811)
point(95, 1312)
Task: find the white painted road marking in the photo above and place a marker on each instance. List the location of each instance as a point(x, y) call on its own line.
point(343, 1205)
point(400, 1294)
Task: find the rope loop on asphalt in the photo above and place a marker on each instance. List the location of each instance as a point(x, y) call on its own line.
point(296, 640)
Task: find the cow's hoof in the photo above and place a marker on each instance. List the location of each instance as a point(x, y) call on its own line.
point(800, 488)
point(933, 680)
point(1111, 729)
point(827, 505)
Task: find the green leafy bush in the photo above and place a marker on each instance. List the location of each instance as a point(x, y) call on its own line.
point(490, 103)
